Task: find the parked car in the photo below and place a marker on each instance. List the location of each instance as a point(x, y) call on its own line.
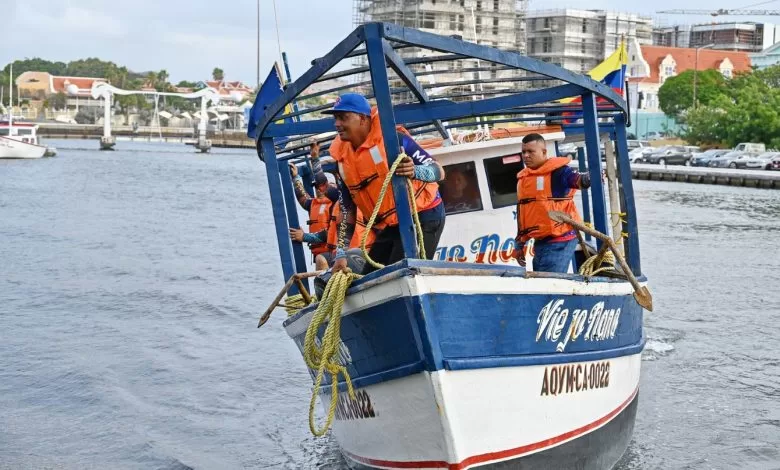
point(750, 147)
point(637, 155)
point(693, 149)
point(776, 163)
point(729, 160)
point(669, 155)
point(568, 150)
point(703, 158)
point(635, 144)
point(653, 135)
point(760, 162)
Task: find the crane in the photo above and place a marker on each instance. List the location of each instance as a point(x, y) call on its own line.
point(722, 12)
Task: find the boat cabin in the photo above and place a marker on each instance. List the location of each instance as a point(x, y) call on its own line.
point(473, 131)
point(22, 131)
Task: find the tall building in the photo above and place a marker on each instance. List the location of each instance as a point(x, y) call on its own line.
point(495, 23)
point(578, 40)
point(730, 36)
point(672, 36)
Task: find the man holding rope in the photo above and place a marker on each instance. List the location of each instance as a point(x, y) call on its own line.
point(359, 151)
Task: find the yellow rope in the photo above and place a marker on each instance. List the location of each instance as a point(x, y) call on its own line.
point(324, 357)
point(294, 303)
point(594, 265)
point(412, 203)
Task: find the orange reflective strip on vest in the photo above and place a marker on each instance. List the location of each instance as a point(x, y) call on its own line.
point(534, 197)
point(364, 170)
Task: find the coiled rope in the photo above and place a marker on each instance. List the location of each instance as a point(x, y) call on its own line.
point(412, 204)
point(323, 357)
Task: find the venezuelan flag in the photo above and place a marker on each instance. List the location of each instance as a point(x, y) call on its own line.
point(611, 72)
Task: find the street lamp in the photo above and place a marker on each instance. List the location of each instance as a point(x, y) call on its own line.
point(696, 69)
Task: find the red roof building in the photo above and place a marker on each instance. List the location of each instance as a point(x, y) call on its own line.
point(230, 89)
point(650, 66)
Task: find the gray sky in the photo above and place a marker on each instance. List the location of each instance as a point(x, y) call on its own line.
point(190, 37)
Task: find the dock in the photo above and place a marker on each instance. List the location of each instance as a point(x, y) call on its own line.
point(766, 179)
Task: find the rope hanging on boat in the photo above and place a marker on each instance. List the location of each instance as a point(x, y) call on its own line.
point(323, 357)
point(412, 205)
point(294, 303)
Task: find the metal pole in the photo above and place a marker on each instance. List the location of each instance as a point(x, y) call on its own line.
point(378, 69)
point(695, 72)
point(591, 131)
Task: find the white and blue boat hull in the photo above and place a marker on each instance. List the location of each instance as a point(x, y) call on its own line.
point(465, 366)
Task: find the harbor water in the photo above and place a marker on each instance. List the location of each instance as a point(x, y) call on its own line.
point(132, 282)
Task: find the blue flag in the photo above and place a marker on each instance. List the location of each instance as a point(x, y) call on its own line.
point(269, 91)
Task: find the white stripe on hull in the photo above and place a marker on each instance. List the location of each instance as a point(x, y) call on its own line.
point(451, 416)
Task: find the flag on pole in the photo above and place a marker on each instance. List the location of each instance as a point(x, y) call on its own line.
point(271, 89)
point(611, 72)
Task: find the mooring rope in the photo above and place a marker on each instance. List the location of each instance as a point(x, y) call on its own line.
point(324, 357)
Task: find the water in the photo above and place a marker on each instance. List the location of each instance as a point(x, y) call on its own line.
point(132, 281)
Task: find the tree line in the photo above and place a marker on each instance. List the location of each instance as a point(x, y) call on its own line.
point(745, 108)
point(119, 76)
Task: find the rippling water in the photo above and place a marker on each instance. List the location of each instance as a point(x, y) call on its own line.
point(132, 281)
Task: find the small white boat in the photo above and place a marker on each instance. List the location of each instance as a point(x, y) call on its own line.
point(20, 140)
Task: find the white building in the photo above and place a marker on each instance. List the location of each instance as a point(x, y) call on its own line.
point(495, 23)
point(578, 40)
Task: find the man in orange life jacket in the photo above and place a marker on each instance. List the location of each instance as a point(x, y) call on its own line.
point(359, 151)
point(546, 184)
point(320, 209)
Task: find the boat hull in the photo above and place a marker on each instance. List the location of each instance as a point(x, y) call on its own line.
point(11, 148)
point(485, 367)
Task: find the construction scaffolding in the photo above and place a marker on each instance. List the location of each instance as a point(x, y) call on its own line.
point(495, 23)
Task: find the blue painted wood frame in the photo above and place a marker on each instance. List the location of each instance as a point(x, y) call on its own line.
point(407, 76)
point(290, 205)
point(277, 206)
point(475, 51)
point(378, 66)
point(319, 68)
point(584, 192)
point(591, 128)
point(443, 110)
point(630, 224)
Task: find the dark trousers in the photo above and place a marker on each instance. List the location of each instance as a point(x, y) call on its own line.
point(388, 249)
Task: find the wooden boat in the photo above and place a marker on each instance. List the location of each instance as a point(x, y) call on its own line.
point(469, 360)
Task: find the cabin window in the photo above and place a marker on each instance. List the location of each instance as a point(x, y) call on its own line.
point(460, 188)
point(502, 179)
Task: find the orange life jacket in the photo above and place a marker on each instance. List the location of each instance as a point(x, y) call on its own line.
point(365, 168)
point(535, 199)
point(319, 220)
point(360, 228)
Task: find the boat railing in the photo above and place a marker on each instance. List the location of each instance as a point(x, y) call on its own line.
point(397, 68)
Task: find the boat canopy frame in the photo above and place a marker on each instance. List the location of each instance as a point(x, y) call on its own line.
point(284, 136)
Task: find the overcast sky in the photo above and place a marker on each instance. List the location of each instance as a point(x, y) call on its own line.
point(190, 37)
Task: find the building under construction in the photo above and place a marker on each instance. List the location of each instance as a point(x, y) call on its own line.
point(578, 40)
point(728, 36)
point(495, 23)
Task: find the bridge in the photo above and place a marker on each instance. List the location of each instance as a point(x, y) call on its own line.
point(206, 95)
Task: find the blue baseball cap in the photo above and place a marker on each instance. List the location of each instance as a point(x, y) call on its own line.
point(350, 103)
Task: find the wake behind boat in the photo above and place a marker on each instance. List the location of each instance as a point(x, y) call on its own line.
point(469, 360)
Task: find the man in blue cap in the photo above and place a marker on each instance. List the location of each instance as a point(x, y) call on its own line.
point(359, 151)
